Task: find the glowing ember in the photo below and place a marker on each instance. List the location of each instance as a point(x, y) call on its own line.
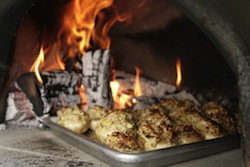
point(178, 72)
point(35, 66)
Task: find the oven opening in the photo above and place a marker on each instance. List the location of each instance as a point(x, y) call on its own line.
point(151, 36)
point(143, 57)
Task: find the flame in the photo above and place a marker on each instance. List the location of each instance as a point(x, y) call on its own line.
point(53, 60)
point(125, 100)
point(82, 95)
point(83, 22)
point(115, 89)
point(178, 72)
point(35, 66)
point(84, 15)
point(86, 23)
point(122, 99)
point(137, 88)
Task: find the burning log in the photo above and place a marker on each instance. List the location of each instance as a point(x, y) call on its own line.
point(149, 88)
point(62, 87)
point(182, 95)
point(96, 78)
point(19, 107)
point(19, 111)
point(152, 91)
point(28, 84)
point(143, 102)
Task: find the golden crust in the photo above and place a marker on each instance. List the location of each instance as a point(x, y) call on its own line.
point(123, 142)
point(169, 123)
point(73, 119)
point(95, 114)
point(155, 131)
point(220, 115)
point(118, 130)
point(186, 134)
point(190, 114)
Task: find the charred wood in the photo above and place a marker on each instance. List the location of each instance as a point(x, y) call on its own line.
point(59, 88)
point(62, 87)
point(28, 84)
point(96, 78)
point(19, 107)
point(149, 88)
point(144, 102)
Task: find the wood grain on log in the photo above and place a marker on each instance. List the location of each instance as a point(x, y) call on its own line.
point(96, 78)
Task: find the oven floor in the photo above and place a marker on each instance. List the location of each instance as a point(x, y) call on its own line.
point(33, 147)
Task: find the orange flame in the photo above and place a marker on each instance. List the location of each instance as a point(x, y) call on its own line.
point(137, 88)
point(86, 23)
point(122, 99)
point(82, 95)
point(114, 88)
point(80, 23)
point(53, 60)
point(35, 66)
point(125, 100)
point(178, 72)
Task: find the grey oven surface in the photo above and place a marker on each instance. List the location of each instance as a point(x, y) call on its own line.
point(160, 157)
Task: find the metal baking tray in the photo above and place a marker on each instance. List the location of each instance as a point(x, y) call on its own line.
point(156, 158)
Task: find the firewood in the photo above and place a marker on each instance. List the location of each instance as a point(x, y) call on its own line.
point(28, 84)
point(143, 102)
point(19, 107)
point(149, 88)
point(62, 87)
point(63, 84)
point(182, 95)
point(65, 81)
point(96, 78)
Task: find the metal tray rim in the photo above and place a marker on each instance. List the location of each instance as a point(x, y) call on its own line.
point(159, 157)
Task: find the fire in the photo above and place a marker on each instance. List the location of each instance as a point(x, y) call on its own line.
point(53, 60)
point(137, 89)
point(178, 72)
point(124, 99)
point(35, 66)
point(80, 21)
point(115, 88)
point(82, 95)
point(86, 24)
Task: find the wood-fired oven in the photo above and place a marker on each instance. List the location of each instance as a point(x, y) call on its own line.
point(206, 36)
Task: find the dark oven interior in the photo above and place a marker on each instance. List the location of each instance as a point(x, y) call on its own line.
point(214, 59)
